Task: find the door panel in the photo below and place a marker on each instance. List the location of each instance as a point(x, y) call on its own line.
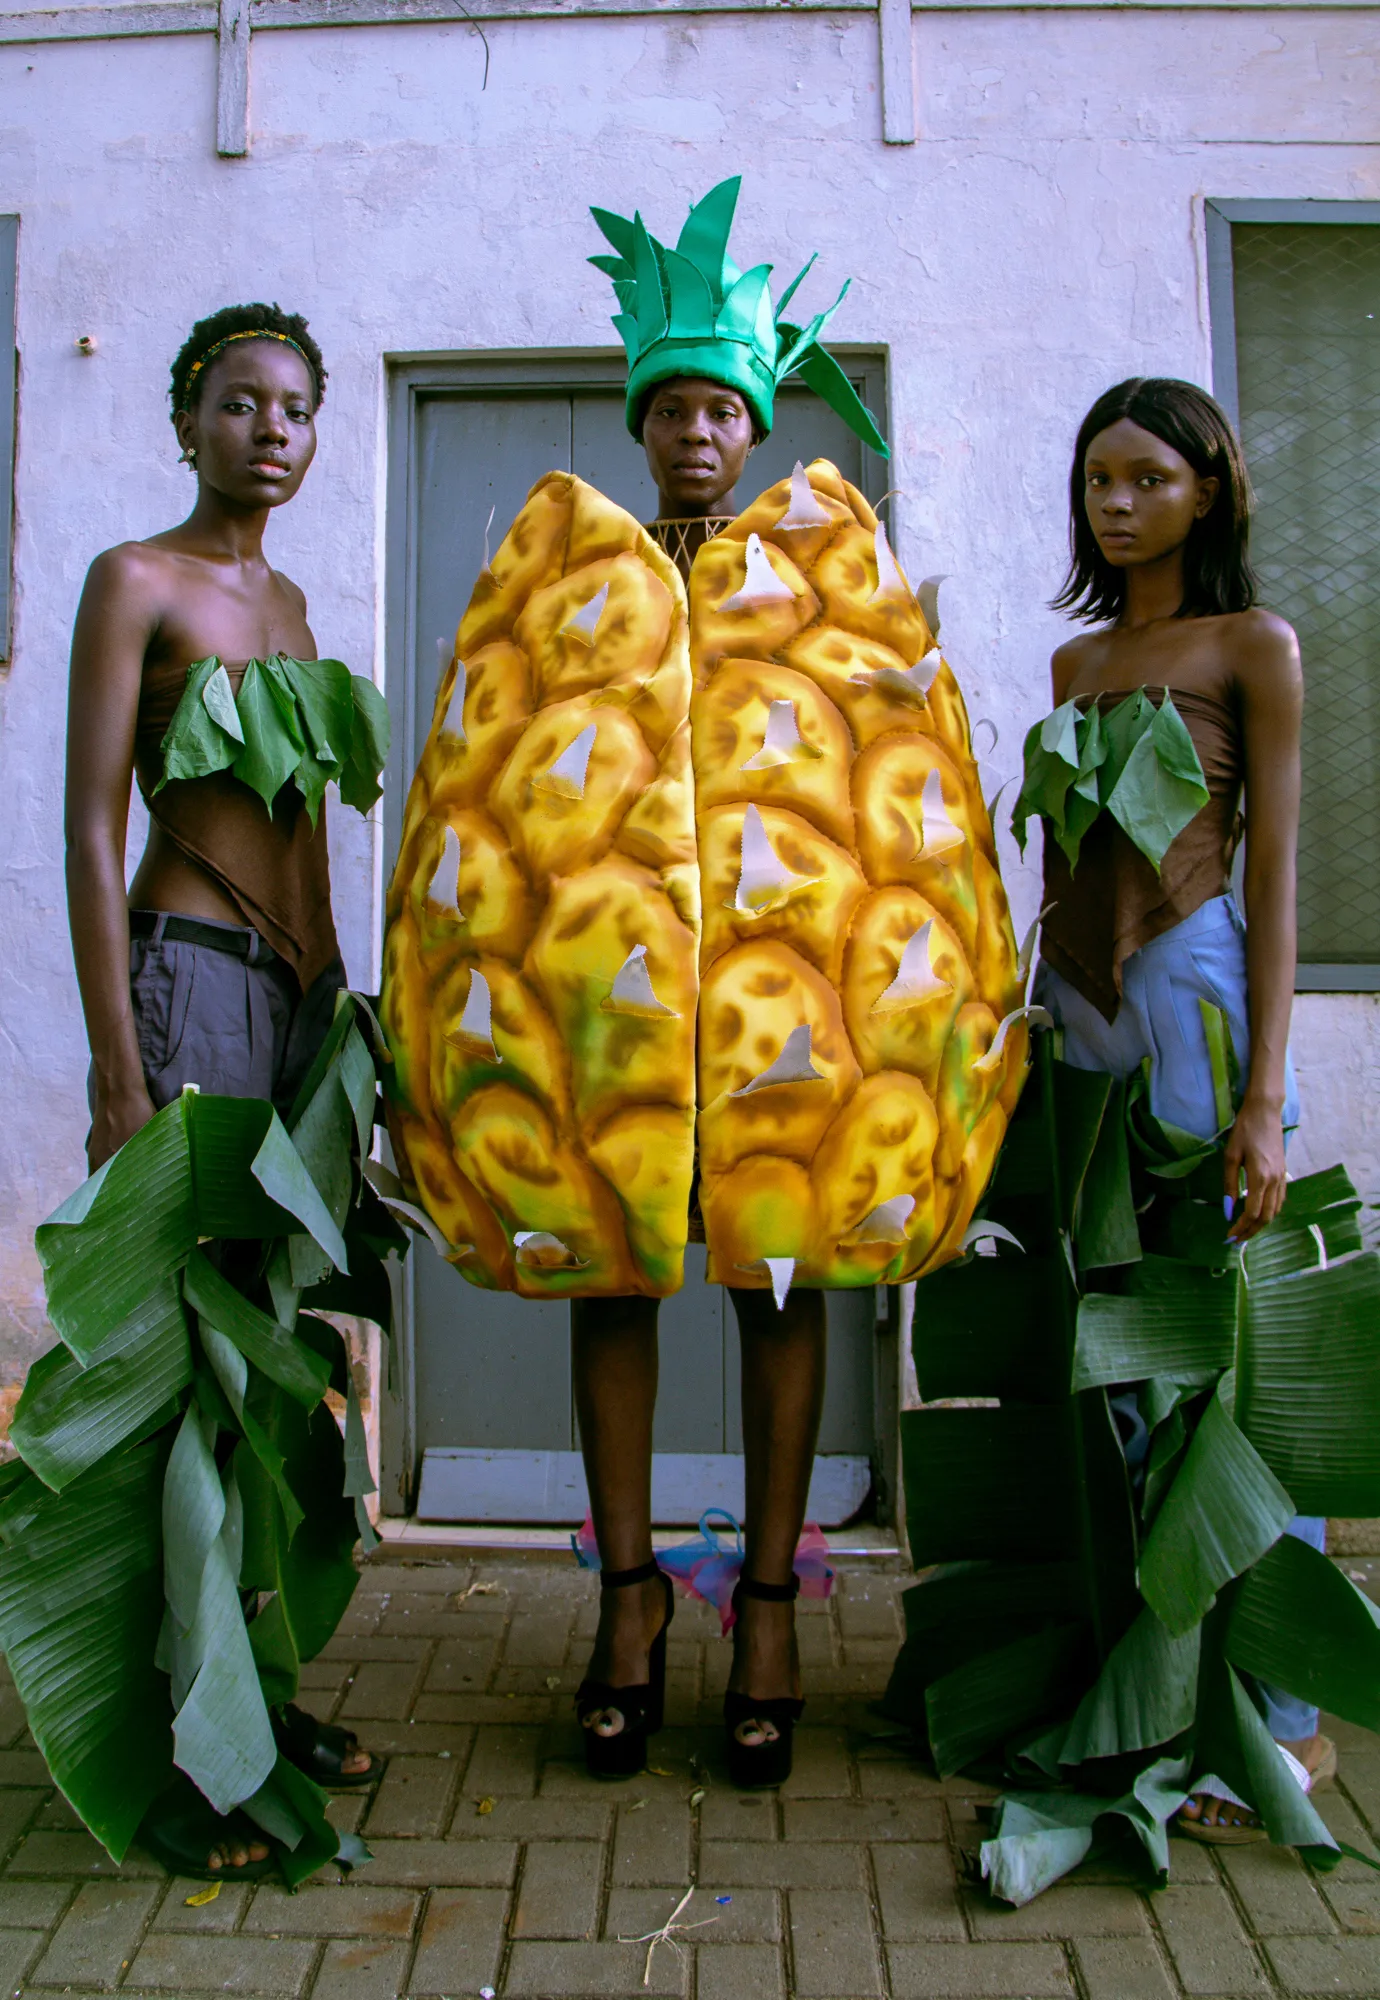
point(488, 1372)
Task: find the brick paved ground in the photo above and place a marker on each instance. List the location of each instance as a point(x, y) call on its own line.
point(499, 1864)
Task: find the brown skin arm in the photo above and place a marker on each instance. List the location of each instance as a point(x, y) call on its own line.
point(116, 621)
point(1269, 684)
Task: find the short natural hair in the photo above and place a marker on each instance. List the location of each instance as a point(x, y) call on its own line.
point(1217, 570)
point(208, 333)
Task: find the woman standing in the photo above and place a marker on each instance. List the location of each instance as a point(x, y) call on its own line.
point(220, 966)
point(1160, 515)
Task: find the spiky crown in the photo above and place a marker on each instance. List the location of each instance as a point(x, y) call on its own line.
point(690, 311)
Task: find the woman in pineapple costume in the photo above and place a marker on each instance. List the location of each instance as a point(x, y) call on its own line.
point(1142, 924)
point(696, 880)
point(220, 967)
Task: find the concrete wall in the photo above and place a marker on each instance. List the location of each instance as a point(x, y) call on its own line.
point(1043, 239)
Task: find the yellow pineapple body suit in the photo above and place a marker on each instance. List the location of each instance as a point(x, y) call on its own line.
point(714, 873)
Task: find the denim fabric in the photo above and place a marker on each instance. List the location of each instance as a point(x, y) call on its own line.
point(1203, 958)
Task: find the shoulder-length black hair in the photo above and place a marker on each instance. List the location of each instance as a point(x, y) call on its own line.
point(1217, 570)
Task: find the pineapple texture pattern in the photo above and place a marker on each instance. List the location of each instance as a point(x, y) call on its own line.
point(557, 1009)
point(540, 964)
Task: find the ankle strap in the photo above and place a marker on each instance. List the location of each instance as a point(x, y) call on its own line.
point(769, 1593)
point(615, 1579)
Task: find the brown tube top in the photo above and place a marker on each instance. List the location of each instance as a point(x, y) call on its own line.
point(274, 868)
point(1114, 902)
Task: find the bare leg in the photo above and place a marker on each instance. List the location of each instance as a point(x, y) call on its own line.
point(614, 1360)
point(783, 1395)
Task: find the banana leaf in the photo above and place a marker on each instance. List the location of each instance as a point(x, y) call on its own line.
point(1296, 1621)
point(81, 1597)
point(1040, 1836)
point(969, 1477)
point(70, 1417)
point(985, 1330)
point(1145, 1696)
point(1223, 1511)
point(1105, 1229)
point(994, 1696)
point(293, 1810)
point(1234, 1745)
point(281, 1355)
point(962, 1610)
point(1309, 1372)
point(1172, 1317)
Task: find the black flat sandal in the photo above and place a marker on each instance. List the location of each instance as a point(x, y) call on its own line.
point(755, 1766)
point(319, 1750)
point(641, 1706)
point(181, 1827)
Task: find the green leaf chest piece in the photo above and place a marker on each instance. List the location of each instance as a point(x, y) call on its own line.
point(1135, 761)
point(311, 722)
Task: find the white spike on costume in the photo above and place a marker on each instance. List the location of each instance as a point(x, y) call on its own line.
point(566, 778)
point(1026, 958)
point(218, 700)
point(782, 742)
point(444, 886)
point(584, 623)
point(540, 1250)
point(890, 582)
point(764, 880)
point(909, 683)
point(1038, 1017)
point(795, 1064)
point(980, 1231)
point(487, 525)
point(916, 979)
point(928, 595)
point(780, 1270)
point(887, 1222)
point(938, 834)
point(632, 991)
point(804, 510)
point(477, 1021)
point(760, 585)
point(454, 723)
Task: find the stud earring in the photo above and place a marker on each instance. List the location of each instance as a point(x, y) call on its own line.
point(189, 457)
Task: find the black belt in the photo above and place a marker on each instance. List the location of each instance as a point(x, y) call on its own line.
point(246, 944)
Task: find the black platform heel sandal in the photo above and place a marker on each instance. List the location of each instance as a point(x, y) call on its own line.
point(641, 1706)
point(753, 1766)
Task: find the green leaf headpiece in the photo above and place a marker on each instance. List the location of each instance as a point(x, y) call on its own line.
point(690, 311)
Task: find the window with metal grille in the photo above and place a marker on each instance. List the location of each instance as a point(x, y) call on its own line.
point(1296, 344)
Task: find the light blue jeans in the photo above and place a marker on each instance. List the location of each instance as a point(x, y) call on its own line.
point(1203, 958)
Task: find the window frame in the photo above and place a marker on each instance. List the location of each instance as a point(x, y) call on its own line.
point(1219, 215)
point(9, 421)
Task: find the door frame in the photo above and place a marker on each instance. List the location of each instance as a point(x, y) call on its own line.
point(518, 372)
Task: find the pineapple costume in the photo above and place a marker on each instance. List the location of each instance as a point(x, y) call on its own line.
point(707, 868)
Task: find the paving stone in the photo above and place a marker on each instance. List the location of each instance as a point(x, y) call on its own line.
point(726, 1815)
point(32, 1905)
point(817, 1643)
point(550, 1971)
point(95, 1940)
point(973, 1971)
point(414, 1797)
point(24, 1767)
point(223, 1914)
point(442, 1579)
point(14, 1721)
point(1275, 1890)
point(1353, 1896)
point(352, 1652)
point(917, 1892)
point(76, 1856)
point(820, 1767)
point(17, 1811)
point(461, 1666)
point(1206, 1942)
point(461, 1941)
point(538, 1638)
point(362, 1614)
point(868, 1611)
point(18, 1950)
point(444, 1864)
point(897, 1778)
point(832, 1945)
point(1345, 1823)
point(318, 1678)
point(1328, 1965)
point(1065, 1911)
point(733, 1971)
point(356, 1969)
point(382, 1689)
point(767, 1864)
point(533, 1819)
point(863, 1819)
point(416, 1738)
point(558, 1896)
point(653, 1845)
point(358, 1910)
point(166, 1963)
point(1190, 1861)
point(504, 1763)
point(58, 1813)
point(479, 1708)
point(751, 1916)
point(1122, 1969)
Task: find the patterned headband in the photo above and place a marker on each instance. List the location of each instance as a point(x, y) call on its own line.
point(250, 333)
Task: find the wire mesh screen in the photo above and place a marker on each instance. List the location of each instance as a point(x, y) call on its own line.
point(1308, 360)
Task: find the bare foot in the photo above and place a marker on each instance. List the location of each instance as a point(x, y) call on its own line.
point(766, 1662)
point(232, 1854)
point(1315, 1753)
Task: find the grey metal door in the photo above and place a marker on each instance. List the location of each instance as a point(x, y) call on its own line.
point(483, 1406)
